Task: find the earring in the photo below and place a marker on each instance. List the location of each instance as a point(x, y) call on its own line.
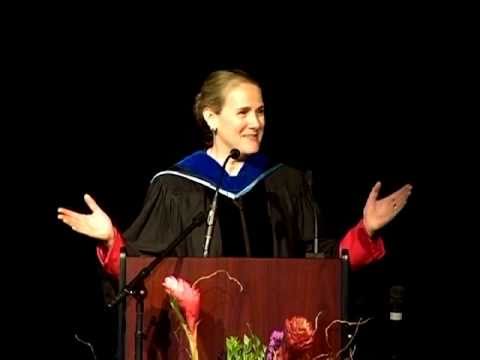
point(214, 131)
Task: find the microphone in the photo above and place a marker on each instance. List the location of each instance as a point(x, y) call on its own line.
point(397, 294)
point(234, 154)
point(396, 302)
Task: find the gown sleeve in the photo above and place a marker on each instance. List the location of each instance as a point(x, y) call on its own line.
point(362, 248)
point(159, 221)
point(109, 257)
point(156, 226)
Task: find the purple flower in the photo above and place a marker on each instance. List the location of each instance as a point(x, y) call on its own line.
point(275, 342)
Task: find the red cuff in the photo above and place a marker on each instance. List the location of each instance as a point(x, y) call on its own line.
point(109, 257)
point(362, 248)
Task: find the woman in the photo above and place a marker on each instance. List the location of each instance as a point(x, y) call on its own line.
point(264, 208)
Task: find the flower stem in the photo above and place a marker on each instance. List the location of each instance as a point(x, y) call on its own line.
point(191, 336)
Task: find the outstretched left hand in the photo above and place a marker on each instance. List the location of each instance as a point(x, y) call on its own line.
point(378, 213)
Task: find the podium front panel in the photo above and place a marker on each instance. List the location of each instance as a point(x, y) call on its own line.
point(274, 290)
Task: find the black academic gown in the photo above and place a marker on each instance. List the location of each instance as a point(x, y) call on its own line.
point(265, 211)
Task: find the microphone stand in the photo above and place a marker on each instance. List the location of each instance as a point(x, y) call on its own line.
point(234, 154)
point(136, 287)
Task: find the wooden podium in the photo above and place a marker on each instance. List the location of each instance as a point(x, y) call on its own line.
point(273, 290)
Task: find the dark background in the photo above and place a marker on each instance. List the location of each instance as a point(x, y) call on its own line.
point(351, 127)
point(112, 106)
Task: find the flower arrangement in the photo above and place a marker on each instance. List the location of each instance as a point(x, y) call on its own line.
point(293, 342)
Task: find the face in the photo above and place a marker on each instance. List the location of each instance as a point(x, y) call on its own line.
point(241, 122)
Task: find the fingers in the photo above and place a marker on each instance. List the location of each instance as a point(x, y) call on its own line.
point(374, 192)
point(408, 189)
point(400, 197)
point(398, 204)
point(66, 212)
point(74, 222)
point(404, 192)
point(91, 203)
point(405, 189)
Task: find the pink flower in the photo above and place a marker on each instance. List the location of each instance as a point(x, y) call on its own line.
point(188, 298)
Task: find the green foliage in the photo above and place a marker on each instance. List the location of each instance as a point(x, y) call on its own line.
point(251, 348)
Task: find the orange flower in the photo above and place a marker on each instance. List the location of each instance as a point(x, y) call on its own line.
point(298, 338)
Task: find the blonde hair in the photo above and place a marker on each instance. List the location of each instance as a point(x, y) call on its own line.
point(212, 96)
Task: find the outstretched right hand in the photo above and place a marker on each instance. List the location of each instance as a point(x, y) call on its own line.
point(96, 225)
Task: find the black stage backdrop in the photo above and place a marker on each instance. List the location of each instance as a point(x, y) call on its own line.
point(114, 114)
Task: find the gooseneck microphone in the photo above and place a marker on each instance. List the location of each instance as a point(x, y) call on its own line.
point(234, 154)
